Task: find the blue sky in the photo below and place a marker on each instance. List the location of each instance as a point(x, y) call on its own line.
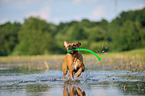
point(57, 11)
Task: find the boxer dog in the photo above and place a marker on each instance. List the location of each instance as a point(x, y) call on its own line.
point(73, 61)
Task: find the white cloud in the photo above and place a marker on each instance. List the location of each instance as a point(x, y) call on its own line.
point(3, 21)
point(90, 1)
point(5, 1)
point(33, 1)
point(56, 20)
point(43, 13)
point(141, 6)
point(77, 1)
point(28, 1)
point(77, 18)
point(98, 12)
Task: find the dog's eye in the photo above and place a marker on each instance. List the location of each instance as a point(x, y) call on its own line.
point(78, 44)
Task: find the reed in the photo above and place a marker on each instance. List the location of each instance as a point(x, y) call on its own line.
point(131, 60)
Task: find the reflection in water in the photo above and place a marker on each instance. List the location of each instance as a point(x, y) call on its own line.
point(60, 88)
point(72, 90)
point(49, 83)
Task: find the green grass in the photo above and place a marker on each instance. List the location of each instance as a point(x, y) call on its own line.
point(130, 60)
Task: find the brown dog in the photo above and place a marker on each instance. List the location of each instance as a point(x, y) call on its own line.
point(73, 61)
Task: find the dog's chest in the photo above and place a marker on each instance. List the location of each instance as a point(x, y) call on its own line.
point(76, 63)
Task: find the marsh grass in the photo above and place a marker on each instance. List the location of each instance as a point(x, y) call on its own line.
point(131, 60)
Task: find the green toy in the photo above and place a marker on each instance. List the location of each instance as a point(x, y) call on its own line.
point(79, 49)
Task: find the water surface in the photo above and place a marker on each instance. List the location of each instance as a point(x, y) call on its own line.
point(14, 82)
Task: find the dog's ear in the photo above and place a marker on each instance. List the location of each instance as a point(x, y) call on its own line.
point(65, 44)
point(79, 43)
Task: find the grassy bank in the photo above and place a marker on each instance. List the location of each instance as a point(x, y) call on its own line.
point(130, 60)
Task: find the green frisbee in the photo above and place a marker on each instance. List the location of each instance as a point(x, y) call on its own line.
point(79, 49)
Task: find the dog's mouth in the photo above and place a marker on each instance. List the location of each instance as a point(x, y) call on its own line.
point(72, 47)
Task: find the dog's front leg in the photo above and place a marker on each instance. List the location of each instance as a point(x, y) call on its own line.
point(71, 73)
point(70, 60)
point(64, 67)
point(81, 69)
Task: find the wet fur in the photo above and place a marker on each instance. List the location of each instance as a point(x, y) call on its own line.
point(70, 60)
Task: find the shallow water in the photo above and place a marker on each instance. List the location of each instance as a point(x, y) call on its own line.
point(91, 83)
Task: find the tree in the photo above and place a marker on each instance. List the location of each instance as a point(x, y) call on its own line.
point(35, 38)
point(8, 37)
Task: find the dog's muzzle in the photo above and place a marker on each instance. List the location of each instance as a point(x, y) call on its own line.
point(71, 47)
point(72, 51)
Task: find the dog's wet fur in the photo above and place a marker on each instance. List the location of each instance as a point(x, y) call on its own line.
point(73, 61)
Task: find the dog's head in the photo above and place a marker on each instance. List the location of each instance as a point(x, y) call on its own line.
point(72, 45)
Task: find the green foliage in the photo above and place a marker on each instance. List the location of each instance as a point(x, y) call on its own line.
point(36, 36)
point(127, 31)
point(8, 37)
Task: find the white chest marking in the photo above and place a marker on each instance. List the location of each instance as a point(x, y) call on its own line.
point(75, 66)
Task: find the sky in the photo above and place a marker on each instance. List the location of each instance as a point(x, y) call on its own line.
point(56, 11)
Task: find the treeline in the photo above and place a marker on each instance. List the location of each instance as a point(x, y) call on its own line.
point(36, 36)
